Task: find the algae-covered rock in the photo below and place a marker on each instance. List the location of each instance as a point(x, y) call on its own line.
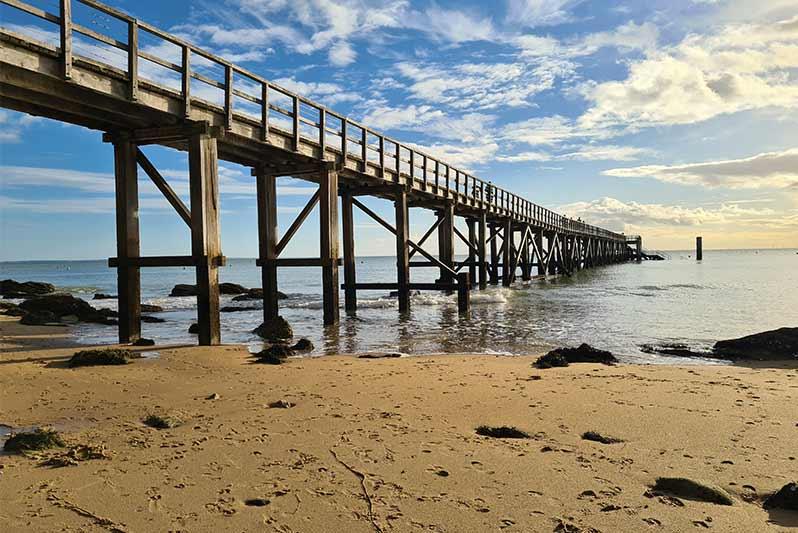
point(502, 432)
point(303, 345)
point(40, 439)
point(583, 354)
point(595, 436)
point(15, 289)
point(38, 318)
point(107, 357)
point(62, 305)
point(182, 289)
point(9, 309)
point(786, 498)
point(163, 421)
point(277, 329)
point(692, 490)
point(275, 354)
point(232, 288)
point(776, 345)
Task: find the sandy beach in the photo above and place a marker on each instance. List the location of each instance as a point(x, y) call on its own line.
point(389, 444)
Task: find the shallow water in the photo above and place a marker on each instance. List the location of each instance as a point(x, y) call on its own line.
point(618, 307)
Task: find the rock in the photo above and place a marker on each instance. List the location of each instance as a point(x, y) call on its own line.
point(595, 436)
point(38, 318)
point(144, 342)
point(107, 357)
point(162, 422)
point(281, 404)
point(214, 396)
point(14, 289)
point(232, 288)
point(182, 289)
point(256, 294)
point(234, 309)
point(786, 498)
point(40, 439)
point(776, 345)
point(391, 355)
point(502, 432)
point(277, 329)
point(276, 354)
point(692, 490)
point(101, 296)
point(584, 354)
point(675, 349)
point(256, 502)
point(194, 329)
point(147, 308)
point(152, 319)
point(303, 345)
point(64, 305)
point(9, 309)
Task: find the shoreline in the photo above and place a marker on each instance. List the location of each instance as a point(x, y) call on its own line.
point(408, 426)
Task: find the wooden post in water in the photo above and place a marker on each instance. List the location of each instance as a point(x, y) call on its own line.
point(205, 238)
point(472, 243)
point(483, 265)
point(127, 240)
point(699, 248)
point(539, 244)
point(446, 241)
point(463, 292)
point(494, 254)
point(402, 249)
point(267, 241)
point(507, 273)
point(639, 249)
point(350, 278)
point(328, 220)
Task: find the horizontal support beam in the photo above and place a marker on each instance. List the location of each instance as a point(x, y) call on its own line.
point(163, 261)
point(297, 169)
point(165, 134)
point(375, 190)
point(296, 262)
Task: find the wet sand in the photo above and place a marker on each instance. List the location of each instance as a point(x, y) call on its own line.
point(390, 444)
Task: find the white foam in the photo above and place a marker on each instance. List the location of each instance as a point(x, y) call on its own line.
point(489, 297)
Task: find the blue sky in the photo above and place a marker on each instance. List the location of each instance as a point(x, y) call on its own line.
point(665, 118)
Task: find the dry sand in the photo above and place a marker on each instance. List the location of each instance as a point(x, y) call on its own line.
point(389, 444)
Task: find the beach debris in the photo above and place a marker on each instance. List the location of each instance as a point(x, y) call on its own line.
point(232, 288)
point(15, 289)
point(691, 490)
point(276, 354)
point(502, 432)
point(214, 396)
point(37, 440)
point(281, 404)
point(595, 436)
point(303, 345)
point(183, 289)
point(583, 354)
point(64, 305)
point(103, 296)
point(162, 421)
point(257, 502)
point(9, 309)
point(194, 329)
point(144, 342)
point(104, 357)
point(775, 345)
point(390, 355)
point(149, 308)
point(256, 294)
point(786, 498)
point(276, 329)
point(75, 455)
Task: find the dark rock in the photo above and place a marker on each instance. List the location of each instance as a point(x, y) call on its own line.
point(182, 289)
point(9, 309)
point(107, 357)
point(276, 354)
point(502, 432)
point(379, 356)
point(786, 498)
point(584, 354)
point(256, 294)
point(40, 439)
point(281, 404)
point(675, 349)
point(232, 288)
point(38, 318)
point(776, 345)
point(277, 329)
point(101, 296)
point(147, 308)
point(194, 329)
point(162, 422)
point(14, 289)
point(234, 309)
point(144, 342)
point(598, 437)
point(256, 502)
point(691, 490)
point(303, 345)
point(152, 319)
point(65, 305)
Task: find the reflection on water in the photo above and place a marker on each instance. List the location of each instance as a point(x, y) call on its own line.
point(619, 307)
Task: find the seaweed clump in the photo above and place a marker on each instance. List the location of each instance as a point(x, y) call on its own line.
point(162, 422)
point(502, 432)
point(107, 357)
point(40, 439)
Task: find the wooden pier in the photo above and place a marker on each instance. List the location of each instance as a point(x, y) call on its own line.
point(241, 117)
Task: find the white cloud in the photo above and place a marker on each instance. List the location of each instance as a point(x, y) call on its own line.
point(327, 93)
point(583, 153)
point(767, 170)
point(342, 54)
point(451, 25)
point(534, 13)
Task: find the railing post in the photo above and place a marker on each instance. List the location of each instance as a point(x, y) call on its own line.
point(228, 97)
point(264, 111)
point(398, 161)
point(323, 132)
point(295, 132)
point(186, 81)
point(66, 38)
point(133, 58)
point(364, 148)
point(381, 141)
point(344, 140)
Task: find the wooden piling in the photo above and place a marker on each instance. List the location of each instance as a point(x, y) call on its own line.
point(267, 242)
point(494, 254)
point(472, 243)
point(699, 248)
point(205, 238)
point(402, 249)
point(463, 292)
point(483, 266)
point(446, 241)
point(540, 257)
point(127, 240)
point(328, 220)
point(350, 277)
point(507, 251)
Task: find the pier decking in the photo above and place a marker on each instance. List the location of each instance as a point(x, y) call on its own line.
point(139, 97)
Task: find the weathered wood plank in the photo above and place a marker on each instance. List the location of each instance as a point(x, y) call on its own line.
point(328, 220)
point(350, 275)
point(267, 241)
point(127, 241)
point(402, 249)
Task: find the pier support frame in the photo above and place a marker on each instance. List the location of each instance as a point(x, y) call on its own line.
point(483, 265)
point(507, 251)
point(402, 249)
point(350, 276)
point(328, 220)
point(267, 241)
point(446, 241)
point(127, 240)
